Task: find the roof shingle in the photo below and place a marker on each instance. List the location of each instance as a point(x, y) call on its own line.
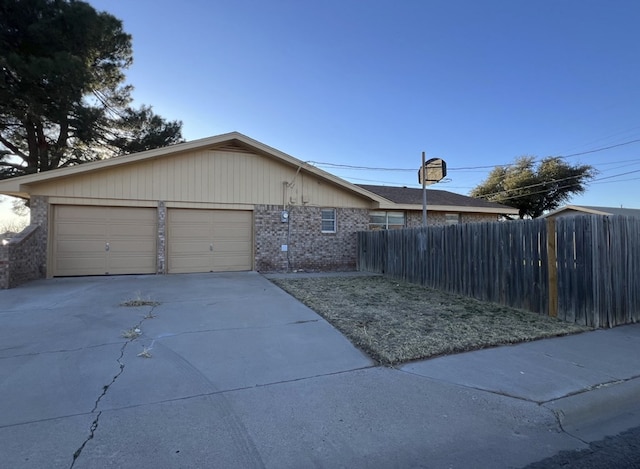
point(411, 196)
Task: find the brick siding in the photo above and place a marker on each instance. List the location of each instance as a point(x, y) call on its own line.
point(308, 248)
point(414, 219)
point(161, 243)
point(24, 257)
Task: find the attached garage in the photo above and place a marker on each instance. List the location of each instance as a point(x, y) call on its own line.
point(219, 204)
point(91, 240)
point(209, 240)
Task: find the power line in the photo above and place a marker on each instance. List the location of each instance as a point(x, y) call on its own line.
point(619, 180)
point(467, 168)
point(506, 191)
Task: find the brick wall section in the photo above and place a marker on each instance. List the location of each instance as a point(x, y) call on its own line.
point(161, 242)
point(24, 257)
point(19, 261)
point(308, 248)
point(40, 216)
point(4, 264)
point(414, 219)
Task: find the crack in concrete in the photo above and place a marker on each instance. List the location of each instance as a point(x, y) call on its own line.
point(226, 329)
point(243, 388)
point(43, 352)
point(94, 425)
point(558, 416)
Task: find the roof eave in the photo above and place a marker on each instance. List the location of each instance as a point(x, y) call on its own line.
point(19, 186)
point(576, 208)
point(451, 208)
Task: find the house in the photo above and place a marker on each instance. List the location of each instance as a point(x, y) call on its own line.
point(224, 203)
point(443, 208)
point(573, 210)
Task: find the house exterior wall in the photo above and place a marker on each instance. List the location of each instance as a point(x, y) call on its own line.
point(414, 219)
point(307, 247)
point(223, 177)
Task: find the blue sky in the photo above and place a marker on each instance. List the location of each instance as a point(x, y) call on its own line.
point(374, 83)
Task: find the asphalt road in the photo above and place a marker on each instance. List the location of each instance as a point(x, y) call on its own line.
point(620, 452)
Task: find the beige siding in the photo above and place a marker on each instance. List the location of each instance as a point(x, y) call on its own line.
point(209, 240)
point(103, 240)
point(206, 176)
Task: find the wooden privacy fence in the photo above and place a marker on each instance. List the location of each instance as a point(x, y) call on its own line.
point(583, 269)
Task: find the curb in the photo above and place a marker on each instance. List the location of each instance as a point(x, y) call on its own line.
point(606, 410)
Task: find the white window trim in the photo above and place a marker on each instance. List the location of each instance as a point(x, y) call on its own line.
point(335, 220)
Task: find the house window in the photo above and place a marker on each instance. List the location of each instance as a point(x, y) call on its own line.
point(452, 218)
point(328, 220)
point(386, 220)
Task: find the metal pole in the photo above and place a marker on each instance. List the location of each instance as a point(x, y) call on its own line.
point(424, 192)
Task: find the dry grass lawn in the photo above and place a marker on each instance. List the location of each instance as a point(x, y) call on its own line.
point(396, 322)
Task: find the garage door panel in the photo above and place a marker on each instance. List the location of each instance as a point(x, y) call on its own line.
point(130, 264)
point(183, 265)
point(126, 215)
point(230, 246)
point(88, 265)
point(73, 247)
point(181, 248)
point(119, 231)
point(132, 247)
point(89, 229)
point(231, 264)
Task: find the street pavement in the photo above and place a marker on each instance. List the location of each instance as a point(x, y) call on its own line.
point(240, 374)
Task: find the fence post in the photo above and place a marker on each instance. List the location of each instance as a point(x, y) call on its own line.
point(552, 266)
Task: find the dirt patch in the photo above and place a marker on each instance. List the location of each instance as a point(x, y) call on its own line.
point(396, 322)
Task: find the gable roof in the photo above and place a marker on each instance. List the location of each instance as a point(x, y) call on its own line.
point(19, 186)
point(383, 197)
point(594, 210)
point(438, 199)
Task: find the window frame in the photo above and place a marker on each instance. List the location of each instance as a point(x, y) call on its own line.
point(333, 219)
point(449, 220)
point(385, 225)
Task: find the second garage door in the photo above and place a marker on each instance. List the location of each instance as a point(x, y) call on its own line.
point(209, 240)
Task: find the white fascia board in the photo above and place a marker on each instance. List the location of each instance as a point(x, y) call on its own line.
point(451, 208)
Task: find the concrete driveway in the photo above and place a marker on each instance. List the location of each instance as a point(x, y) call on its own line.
point(240, 375)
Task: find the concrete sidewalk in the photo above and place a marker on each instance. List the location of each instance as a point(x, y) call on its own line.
point(243, 375)
point(590, 381)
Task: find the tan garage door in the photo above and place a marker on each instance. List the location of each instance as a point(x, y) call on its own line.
point(209, 240)
point(104, 240)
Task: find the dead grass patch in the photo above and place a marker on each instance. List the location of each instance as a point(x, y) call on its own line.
point(131, 334)
point(397, 322)
point(138, 300)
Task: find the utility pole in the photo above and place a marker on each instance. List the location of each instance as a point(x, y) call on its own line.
point(424, 191)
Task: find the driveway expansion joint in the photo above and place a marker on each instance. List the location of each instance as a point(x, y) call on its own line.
point(94, 425)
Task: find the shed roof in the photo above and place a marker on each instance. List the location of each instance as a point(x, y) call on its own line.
point(595, 210)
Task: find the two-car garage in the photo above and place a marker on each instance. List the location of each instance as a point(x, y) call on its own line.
point(99, 240)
